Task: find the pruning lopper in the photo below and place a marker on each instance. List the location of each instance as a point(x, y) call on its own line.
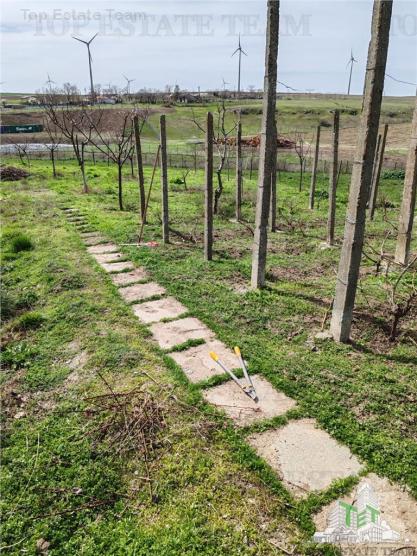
point(247, 387)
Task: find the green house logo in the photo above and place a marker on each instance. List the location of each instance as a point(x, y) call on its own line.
point(357, 523)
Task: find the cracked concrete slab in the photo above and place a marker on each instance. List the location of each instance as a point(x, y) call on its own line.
point(398, 512)
point(170, 334)
point(117, 267)
point(154, 311)
point(305, 457)
point(137, 292)
point(108, 257)
point(243, 410)
point(126, 278)
point(103, 248)
point(197, 363)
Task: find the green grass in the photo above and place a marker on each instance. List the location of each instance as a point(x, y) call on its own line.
point(364, 394)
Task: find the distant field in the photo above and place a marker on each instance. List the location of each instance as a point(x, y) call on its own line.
point(295, 113)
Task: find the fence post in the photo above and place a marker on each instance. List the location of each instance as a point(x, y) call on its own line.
point(208, 205)
point(314, 170)
point(164, 179)
point(239, 171)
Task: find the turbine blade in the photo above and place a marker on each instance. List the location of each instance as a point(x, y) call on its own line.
point(237, 50)
point(77, 39)
point(243, 52)
point(91, 40)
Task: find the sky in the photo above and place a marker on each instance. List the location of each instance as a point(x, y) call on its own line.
point(190, 43)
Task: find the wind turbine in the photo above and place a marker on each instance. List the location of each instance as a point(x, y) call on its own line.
point(128, 82)
point(351, 62)
point(241, 51)
point(224, 82)
point(49, 81)
point(87, 43)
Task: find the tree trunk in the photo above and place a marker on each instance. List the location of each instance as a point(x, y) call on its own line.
point(82, 166)
point(377, 173)
point(350, 258)
point(314, 170)
point(273, 208)
point(120, 183)
point(405, 225)
point(334, 174)
point(53, 163)
point(239, 172)
point(219, 188)
point(164, 180)
point(267, 148)
point(208, 211)
point(141, 179)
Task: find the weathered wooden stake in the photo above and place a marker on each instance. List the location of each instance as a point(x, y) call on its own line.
point(208, 204)
point(334, 171)
point(405, 225)
point(314, 170)
point(350, 258)
point(377, 172)
point(139, 161)
point(164, 179)
point(267, 149)
point(239, 171)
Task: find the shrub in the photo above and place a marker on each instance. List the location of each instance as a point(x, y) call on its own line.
point(30, 320)
point(21, 242)
point(394, 174)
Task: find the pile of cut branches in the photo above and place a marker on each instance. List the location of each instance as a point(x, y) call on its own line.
point(10, 173)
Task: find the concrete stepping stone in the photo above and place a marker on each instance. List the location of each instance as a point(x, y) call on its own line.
point(103, 248)
point(395, 527)
point(137, 292)
point(126, 278)
point(117, 267)
point(305, 457)
point(170, 334)
point(154, 311)
point(91, 234)
point(108, 257)
point(244, 411)
point(94, 240)
point(197, 363)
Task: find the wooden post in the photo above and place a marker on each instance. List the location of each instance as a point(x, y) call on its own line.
point(267, 151)
point(405, 225)
point(239, 171)
point(273, 207)
point(139, 162)
point(334, 171)
point(314, 170)
point(164, 179)
point(350, 258)
point(208, 211)
point(377, 172)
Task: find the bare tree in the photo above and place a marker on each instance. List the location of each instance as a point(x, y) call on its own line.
point(302, 149)
point(402, 299)
point(239, 170)
point(117, 145)
point(75, 125)
point(273, 208)
point(350, 259)
point(54, 141)
point(268, 147)
point(139, 121)
point(405, 225)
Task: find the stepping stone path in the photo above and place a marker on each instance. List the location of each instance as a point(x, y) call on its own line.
point(306, 458)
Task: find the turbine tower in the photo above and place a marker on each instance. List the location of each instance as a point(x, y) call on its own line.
point(87, 43)
point(49, 82)
point(351, 62)
point(240, 50)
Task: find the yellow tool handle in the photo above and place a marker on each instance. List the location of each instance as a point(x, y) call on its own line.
point(237, 351)
point(214, 356)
